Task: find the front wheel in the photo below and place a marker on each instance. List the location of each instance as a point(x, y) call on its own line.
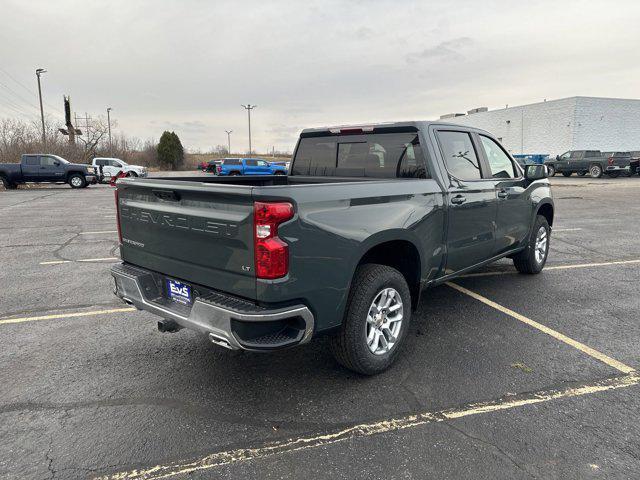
point(551, 170)
point(613, 174)
point(376, 321)
point(279, 173)
point(566, 174)
point(132, 174)
point(77, 181)
point(533, 258)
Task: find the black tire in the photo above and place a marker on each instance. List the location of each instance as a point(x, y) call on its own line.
point(582, 174)
point(234, 174)
point(595, 171)
point(566, 174)
point(132, 174)
point(77, 181)
point(279, 173)
point(551, 171)
point(7, 184)
point(526, 260)
point(349, 346)
point(613, 174)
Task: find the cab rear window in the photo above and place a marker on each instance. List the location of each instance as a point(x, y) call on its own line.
point(384, 155)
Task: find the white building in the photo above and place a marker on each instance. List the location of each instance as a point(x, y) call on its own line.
point(555, 126)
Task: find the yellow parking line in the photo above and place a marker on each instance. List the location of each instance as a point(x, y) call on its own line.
point(544, 329)
point(554, 267)
point(5, 321)
point(239, 455)
point(587, 265)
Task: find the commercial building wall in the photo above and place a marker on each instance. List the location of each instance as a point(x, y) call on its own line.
point(555, 126)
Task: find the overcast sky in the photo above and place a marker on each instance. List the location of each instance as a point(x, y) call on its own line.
point(188, 65)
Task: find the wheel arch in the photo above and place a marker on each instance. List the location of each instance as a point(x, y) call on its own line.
point(546, 209)
point(401, 253)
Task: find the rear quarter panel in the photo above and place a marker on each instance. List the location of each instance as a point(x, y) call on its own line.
point(336, 224)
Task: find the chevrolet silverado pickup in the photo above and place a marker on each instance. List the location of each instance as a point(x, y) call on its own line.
point(368, 218)
point(593, 162)
point(41, 168)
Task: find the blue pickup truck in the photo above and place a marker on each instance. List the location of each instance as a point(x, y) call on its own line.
point(249, 166)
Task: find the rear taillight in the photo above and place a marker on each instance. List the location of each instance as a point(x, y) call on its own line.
point(610, 160)
point(219, 168)
point(271, 253)
point(118, 216)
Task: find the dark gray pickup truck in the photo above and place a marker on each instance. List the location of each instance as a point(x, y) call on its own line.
point(367, 219)
point(41, 168)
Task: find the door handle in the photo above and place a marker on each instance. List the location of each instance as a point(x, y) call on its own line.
point(458, 199)
point(503, 194)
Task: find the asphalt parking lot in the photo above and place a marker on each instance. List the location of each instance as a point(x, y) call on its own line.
point(503, 376)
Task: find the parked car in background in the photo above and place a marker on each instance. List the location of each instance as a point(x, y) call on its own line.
point(249, 166)
point(593, 162)
point(634, 164)
point(109, 167)
point(342, 246)
point(213, 166)
point(46, 168)
point(621, 161)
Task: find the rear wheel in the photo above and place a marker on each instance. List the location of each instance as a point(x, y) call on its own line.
point(234, 174)
point(613, 174)
point(279, 173)
point(551, 170)
point(582, 174)
point(595, 171)
point(7, 184)
point(566, 174)
point(533, 258)
point(77, 181)
point(376, 321)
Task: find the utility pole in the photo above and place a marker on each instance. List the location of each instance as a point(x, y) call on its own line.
point(109, 123)
point(248, 107)
point(40, 71)
point(229, 132)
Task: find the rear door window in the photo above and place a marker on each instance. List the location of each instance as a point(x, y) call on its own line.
point(384, 155)
point(231, 161)
point(459, 155)
point(32, 160)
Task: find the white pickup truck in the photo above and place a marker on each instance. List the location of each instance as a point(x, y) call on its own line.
point(110, 167)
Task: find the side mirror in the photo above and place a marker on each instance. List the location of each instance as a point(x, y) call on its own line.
point(535, 172)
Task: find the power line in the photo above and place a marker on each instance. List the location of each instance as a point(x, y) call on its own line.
point(29, 91)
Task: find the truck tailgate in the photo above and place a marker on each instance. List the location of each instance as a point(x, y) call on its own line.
point(194, 232)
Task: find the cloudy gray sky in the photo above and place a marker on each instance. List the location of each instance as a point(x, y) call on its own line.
point(188, 65)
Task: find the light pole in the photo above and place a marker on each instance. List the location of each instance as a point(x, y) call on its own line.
point(229, 141)
point(248, 107)
point(109, 124)
point(40, 71)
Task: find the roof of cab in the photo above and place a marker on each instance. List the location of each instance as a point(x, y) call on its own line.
point(369, 127)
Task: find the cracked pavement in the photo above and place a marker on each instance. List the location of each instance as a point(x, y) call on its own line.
point(89, 396)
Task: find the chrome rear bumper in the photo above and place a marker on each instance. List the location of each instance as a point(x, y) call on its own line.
point(229, 321)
